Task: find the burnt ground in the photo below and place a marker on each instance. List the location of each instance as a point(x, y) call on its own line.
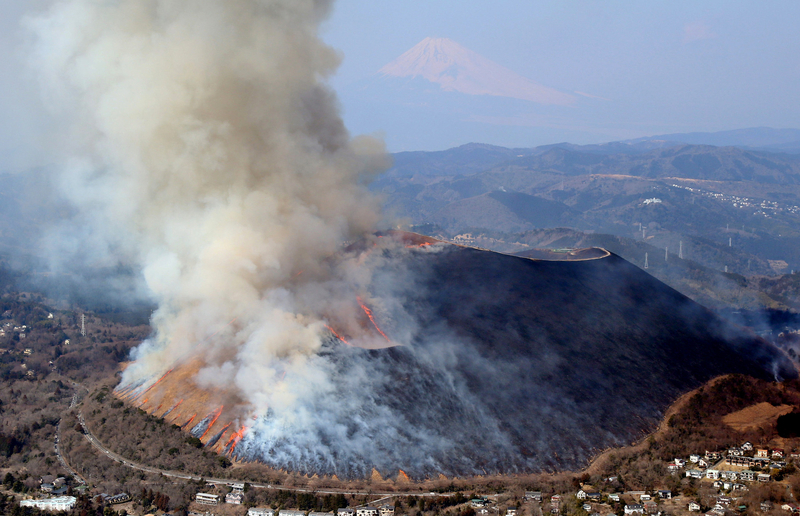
point(518, 365)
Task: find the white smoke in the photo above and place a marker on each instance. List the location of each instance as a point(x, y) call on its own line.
point(205, 146)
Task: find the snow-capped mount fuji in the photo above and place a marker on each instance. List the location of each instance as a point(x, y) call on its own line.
point(456, 68)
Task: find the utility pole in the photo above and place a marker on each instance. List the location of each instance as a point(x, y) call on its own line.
point(680, 250)
point(645, 260)
point(666, 253)
point(730, 241)
point(83, 325)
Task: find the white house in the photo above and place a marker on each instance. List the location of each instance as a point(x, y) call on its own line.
point(62, 503)
point(206, 498)
point(363, 511)
point(634, 509)
point(235, 497)
point(260, 511)
point(747, 475)
point(694, 507)
point(713, 474)
point(694, 459)
point(291, 512)
point(386, 510)
point(581, 495)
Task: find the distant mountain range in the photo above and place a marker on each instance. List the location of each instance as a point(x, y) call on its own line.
point(734, 208)
point(749, 162)
point(756, 138)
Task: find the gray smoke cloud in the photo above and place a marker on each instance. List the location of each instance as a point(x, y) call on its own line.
point(204, 146)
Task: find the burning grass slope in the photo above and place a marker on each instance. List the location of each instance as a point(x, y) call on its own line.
point(519, 365)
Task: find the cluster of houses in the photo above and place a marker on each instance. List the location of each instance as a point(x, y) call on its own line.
point(481, 506)
point(385, 510)
point(712, 465)
point(52, 485)
point(236, 497)
point(709, 466)
point(9, 328)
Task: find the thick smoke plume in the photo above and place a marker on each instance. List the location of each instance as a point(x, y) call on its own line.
point(205, 147)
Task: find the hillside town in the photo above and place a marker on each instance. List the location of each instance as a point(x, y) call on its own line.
point(714, 483)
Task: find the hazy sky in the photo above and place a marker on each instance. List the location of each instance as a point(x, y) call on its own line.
point(657, 66)
point(664, 66)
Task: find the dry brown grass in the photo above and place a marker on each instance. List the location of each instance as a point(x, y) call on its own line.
point(755, 416)
point(600, 462)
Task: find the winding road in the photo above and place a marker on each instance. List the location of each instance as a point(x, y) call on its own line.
point(227, 481)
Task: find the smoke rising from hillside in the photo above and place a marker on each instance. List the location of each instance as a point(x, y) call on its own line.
point(205, 147)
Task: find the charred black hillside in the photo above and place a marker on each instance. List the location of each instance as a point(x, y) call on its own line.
point(524, 365)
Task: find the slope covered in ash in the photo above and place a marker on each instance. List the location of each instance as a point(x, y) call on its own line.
point(515, 365)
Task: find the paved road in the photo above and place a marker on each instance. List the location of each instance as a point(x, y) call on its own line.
point(176, 474)
point(61, 458)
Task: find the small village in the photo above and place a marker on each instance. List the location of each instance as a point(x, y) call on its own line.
point(726, 477)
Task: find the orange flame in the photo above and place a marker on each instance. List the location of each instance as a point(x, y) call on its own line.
point(336, 334)
point(190, 421)
point(219, 441)
point(235, 438)
point(402, 475)
point(423, 244)
point(214, 420)
point(173, 412)
point(371, 318)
